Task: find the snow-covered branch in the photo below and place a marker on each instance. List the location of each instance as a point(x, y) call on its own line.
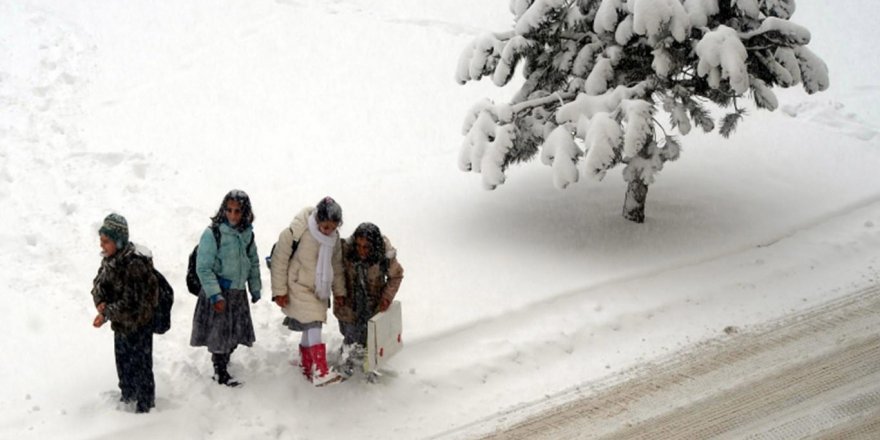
point(553, 98)
point(599, 71)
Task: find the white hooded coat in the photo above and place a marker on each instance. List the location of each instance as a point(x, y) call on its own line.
point(295, 277)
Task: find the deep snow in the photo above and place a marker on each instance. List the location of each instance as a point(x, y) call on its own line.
point(156, 109)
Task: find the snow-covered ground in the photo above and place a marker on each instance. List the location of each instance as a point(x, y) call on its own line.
point(155, 109)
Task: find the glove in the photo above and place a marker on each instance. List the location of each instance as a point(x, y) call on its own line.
point(384, 304)
point(255, 296)
point(218, 302)
point(281, 300)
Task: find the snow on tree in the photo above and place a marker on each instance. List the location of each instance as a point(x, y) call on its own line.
point(597, 72)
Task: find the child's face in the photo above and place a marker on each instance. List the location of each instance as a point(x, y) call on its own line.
point(362, 246)
point(327, 227)
point(233, 212)
point(108, 246)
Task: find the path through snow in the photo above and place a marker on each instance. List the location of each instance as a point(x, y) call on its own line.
point(814, 374)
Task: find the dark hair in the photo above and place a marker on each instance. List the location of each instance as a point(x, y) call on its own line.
point(247, 213)
point(329, 210)
point(377, 245)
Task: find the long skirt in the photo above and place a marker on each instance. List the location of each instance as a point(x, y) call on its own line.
point(222, 332)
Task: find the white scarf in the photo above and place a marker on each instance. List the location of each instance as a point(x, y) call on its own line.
point(324, 268)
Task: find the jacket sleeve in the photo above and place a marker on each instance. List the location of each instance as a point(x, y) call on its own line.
point(139, 295)
point(205, 263)
point(281, 262)
point(255, 284)
point(344, 313)
point(338, 270)
point(281, 255)
point(395, 273)
point(98, 295)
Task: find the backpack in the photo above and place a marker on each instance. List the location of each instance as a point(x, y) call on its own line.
point(293, 247)
point(193, 283)
point(162, 314)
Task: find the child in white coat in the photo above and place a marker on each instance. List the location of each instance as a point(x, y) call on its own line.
point(305, 276)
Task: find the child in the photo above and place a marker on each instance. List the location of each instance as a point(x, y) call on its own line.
point(126, 293)
point(222, 319)
point(372, 278)
point(303, 283)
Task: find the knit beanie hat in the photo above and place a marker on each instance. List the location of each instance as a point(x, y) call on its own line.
point(115, 227)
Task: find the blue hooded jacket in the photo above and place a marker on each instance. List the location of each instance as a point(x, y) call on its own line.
point(231, 264)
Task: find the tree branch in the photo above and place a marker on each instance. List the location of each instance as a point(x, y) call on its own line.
point(657, 123)
point(504, 36)
point(549, 99)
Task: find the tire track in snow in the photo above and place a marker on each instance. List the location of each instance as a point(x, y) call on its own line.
point(815, 373)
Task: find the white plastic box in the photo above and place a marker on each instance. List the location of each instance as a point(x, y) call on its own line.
point(383, 337)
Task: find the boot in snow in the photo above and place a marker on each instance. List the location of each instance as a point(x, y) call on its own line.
point(351, 356)
point(306, 362)
point(221, 374)
point(143, 407)
point(321, 374)
point(343, 361)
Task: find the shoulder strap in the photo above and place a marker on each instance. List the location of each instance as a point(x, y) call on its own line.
point(295, 242)
point(216, 230)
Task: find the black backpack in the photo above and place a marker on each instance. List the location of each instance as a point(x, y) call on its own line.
point(293, 247)
point(193, 284)
point(162, 314)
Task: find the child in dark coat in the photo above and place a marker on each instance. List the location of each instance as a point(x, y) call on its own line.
point(372, 279)
point(125, 292)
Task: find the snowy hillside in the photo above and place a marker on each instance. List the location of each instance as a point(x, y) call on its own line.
point(156, 109)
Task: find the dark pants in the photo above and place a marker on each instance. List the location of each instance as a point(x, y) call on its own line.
point(353, 333)
point(134, 366)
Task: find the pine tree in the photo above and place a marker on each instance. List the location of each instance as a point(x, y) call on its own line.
point(596, 71)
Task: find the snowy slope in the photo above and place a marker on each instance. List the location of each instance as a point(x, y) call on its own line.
point(156, 109)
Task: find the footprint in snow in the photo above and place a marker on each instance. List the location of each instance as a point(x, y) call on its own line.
point(833, 115)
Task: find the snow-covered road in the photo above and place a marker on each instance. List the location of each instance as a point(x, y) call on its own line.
point(814, 374)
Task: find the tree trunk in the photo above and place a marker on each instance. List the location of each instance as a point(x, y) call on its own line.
point(634, 204)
